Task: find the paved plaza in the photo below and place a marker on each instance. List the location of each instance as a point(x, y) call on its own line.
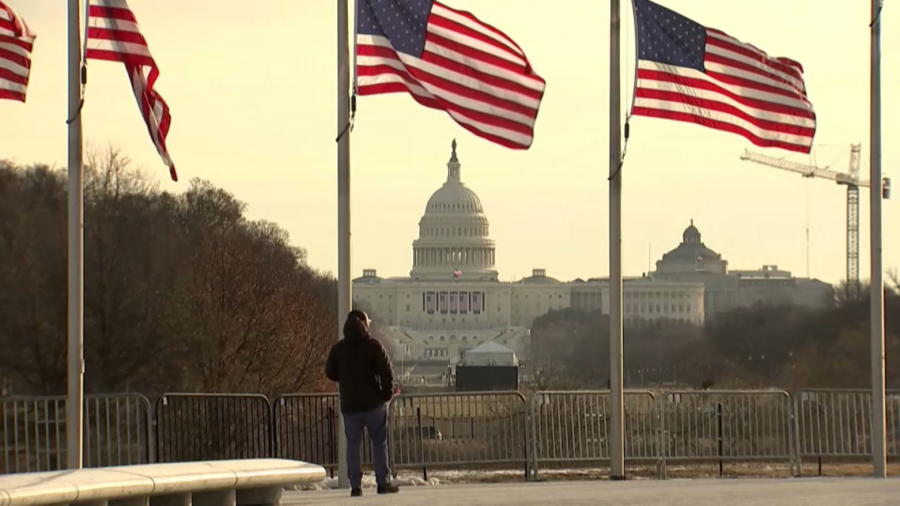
point(751, 492)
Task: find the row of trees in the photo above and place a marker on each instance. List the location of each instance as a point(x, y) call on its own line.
point(182, 292)
point(760, 346)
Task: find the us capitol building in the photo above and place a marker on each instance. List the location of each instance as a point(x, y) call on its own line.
point(452, 301)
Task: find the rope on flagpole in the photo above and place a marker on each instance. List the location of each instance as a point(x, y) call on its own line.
point(353, 94)
point(349, 125)
point(87, 18)
point(633, 96)
point(624, 149)
point(877, 14)
point(81, 103)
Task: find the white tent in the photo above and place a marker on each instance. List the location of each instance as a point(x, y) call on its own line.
point(491, 353)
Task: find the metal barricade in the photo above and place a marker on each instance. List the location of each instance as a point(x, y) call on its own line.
point(455, 430)
point(117, 431)
point(726, 426)
point(192, 427)
point(479, 429)
point(306, 428)
point(573, 427)
point(838, 424)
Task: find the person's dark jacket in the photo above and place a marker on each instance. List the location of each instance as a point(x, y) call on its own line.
point(362, 368)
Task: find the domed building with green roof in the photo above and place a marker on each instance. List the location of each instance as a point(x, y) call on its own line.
point(693, 261)
point(691, 256)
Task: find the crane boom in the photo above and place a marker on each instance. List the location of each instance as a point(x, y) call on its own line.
point(805, 170)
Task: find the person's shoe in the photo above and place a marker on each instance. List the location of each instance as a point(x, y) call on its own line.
point(356, 492)
point(388, 489)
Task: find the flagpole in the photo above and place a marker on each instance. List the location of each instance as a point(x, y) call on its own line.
point(617, 441)
point(879, 436)
point(344, 282)
point(75, 399)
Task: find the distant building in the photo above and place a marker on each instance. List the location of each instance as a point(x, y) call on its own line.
point(452, 301)
point(691, 256)
point(693, 261)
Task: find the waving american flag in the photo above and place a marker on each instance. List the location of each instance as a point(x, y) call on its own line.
point(114, 35)
point(16, 44)
point(449, 60)
point(688, 72)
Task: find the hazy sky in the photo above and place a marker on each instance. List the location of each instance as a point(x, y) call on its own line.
point(252, 93)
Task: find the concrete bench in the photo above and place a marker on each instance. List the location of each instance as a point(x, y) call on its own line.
point(214, 483)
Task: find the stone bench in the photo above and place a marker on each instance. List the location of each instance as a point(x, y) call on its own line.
point(213, 483)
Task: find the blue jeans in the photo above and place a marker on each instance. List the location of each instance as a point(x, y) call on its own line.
point(376, 423)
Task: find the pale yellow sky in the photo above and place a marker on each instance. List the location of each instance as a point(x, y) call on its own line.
point(252, 93)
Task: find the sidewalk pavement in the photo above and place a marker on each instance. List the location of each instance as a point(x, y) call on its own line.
point(721, 492)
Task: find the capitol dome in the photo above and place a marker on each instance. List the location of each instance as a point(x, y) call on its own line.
point(454, 240)
point(454, 198)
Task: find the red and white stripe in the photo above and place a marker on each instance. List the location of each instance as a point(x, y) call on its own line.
point(743, 91)
point(16, 44)
point(114, 35)
point(471, 70)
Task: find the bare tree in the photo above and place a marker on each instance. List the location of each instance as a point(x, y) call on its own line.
point(181, 291)
point(251, 313)
point(32, 278)
point(127, 258)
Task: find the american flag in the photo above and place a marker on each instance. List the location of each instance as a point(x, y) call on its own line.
point(687, 72)
point(114, 35)
point(449, 60)
point(16, 44)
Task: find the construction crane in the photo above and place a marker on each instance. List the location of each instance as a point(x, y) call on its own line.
point(851, 180)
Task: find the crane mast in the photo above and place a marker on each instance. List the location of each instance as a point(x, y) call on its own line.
point(853, 225)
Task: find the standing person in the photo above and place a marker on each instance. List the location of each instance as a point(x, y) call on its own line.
point(361, 367)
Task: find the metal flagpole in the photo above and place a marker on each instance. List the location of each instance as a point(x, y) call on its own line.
point(75, 399)
point(344, 282)
point(879, 436)
point(617, 440)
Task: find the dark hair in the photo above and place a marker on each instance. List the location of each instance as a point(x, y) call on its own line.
point(357, 325)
